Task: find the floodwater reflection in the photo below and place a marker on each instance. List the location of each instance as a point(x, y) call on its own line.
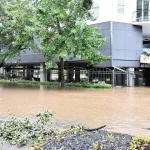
point(119, 107)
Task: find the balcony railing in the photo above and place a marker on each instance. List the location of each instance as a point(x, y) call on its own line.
point(141, 16)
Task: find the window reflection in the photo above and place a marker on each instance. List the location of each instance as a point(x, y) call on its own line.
point(143, 10)
point(146, 48)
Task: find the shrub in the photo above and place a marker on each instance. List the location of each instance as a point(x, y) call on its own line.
point(90, 85)
point(2, 76)
point(140, 143)
point(4, 81)
point(23, 132)
point(85, 84)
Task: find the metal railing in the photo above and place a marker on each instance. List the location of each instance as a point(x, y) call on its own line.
point(142, 16)
point(116, 77)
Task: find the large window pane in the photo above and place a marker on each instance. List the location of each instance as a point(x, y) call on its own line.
point(139, 9)
point(142, 10)
point(146, 10)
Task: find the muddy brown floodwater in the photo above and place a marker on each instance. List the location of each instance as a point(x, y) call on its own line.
point(116, 108)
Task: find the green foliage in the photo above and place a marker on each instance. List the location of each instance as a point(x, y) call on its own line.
point(1, 76)
point(15, 34)
point(90, 85)
point(140, 143)
point(4, 81)
point(76, 129)
point(87, 4)
point(55, 28)
point(27, 82)
point(59, 25)
point(85, 84)
point(97, 146)
point(64, 32)
point(22, 132)
point(37, 83)
point(37, 146)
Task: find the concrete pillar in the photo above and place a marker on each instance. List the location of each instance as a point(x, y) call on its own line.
point(2, 70)
point(42, 72)
point(130, 77)
point(77, 75)
point(2, 75)
point(113, 78)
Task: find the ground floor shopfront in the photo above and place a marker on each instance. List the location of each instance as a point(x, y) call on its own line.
point(110, 75)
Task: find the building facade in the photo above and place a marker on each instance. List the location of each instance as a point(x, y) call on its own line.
point(126, 26)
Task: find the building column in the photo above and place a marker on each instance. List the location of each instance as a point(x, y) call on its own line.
point(2, 70)
point(130, 77)
point(42, 72)
point(113, 78)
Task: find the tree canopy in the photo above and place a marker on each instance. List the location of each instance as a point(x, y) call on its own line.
point(14, 36)
point(59, 25)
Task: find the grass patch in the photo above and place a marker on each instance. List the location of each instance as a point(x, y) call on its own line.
point(4, 81)
point(27, 82)
point(90, 85)
point(57, 84)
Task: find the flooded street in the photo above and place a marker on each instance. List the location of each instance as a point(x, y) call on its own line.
point(116, 108)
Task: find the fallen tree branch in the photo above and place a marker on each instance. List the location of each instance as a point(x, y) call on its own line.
point(95, 128)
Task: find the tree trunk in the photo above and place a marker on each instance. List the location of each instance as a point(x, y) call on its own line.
point(62, 72)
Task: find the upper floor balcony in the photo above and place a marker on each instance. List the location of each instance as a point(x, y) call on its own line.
point(141, 17)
